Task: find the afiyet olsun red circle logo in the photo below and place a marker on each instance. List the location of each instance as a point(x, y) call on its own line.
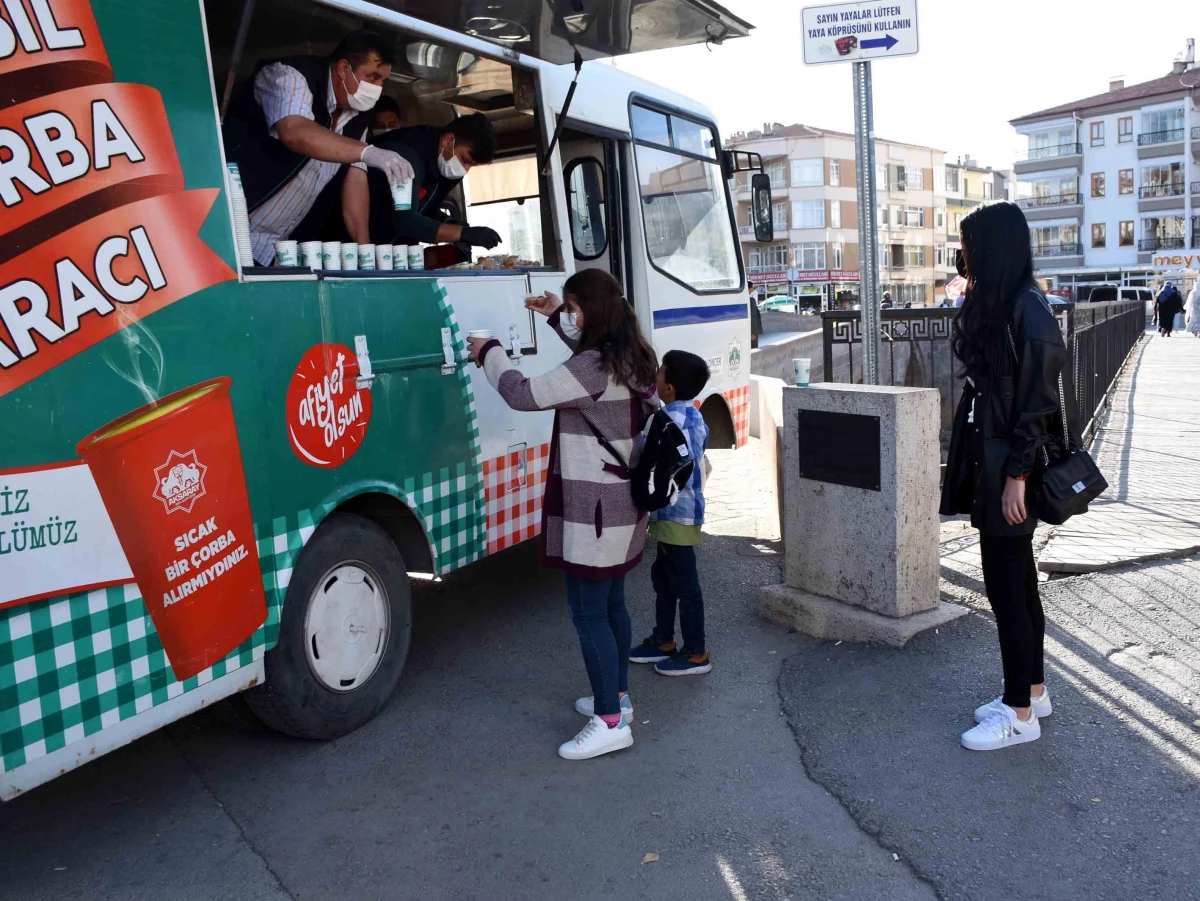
point(327, 413)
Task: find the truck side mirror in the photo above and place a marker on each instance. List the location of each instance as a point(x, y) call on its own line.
point(760, 193)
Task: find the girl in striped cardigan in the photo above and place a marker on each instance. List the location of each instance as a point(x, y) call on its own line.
point(590, 526)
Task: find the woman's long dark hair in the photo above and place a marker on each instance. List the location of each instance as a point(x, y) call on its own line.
point(611, 327)
point(995, 240)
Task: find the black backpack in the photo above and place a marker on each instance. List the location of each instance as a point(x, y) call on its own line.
point(663, 469)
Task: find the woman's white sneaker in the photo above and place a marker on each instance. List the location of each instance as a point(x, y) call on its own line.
point(1041, 706)
point(596, 738)
point(587, 706)
point(1002, 729)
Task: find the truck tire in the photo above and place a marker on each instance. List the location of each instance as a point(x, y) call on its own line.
point(344, 635)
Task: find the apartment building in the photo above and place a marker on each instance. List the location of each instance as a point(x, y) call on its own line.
point(1110, 183)
point(814, 195)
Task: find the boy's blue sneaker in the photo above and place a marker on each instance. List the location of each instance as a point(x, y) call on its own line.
point(587, 706)
point(684, 664)
point(651, 651)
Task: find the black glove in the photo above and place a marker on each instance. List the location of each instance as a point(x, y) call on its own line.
point(480, 236)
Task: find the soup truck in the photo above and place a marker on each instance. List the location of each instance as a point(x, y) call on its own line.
point(218, 477)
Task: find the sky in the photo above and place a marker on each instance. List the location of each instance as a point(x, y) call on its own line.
point(981, 63)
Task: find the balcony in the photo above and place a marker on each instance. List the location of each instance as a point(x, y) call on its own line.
point(1160, 143)
point(1161, 197)
point(1196, 187)
point(1059, 156)
point(1161, 242)
point(1051, 206)
point(1058, 255)
point(746, 232)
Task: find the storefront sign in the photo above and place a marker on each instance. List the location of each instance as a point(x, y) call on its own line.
point(55, 535)
point(1177, 261)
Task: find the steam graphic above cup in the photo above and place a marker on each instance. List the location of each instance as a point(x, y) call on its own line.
point(132, 346)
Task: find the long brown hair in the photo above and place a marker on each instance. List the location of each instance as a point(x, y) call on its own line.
point(610, 326)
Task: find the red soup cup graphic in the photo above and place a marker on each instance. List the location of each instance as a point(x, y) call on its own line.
point(170, 474)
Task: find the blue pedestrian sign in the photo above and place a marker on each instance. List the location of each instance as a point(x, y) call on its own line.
point(857, 32)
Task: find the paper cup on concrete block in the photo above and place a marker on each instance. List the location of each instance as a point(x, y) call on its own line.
point(399, 256)
point(310, 254)
point(402, 196)
point(366, 256)
point(416, 256)
point(801, 367)
point(349, 256)
point(331, 255)
point(287, 253)
point(170, 475)
point(383, 257)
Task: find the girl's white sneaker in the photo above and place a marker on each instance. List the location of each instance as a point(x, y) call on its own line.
point(596, 738)
point(587, 706)
point(1002, 729)
point(1041, 706)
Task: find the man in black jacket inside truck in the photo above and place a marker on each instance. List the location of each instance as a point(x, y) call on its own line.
point(440, 158)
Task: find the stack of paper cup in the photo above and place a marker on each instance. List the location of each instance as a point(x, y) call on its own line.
point(383, 257)
point(310, 254)
point(366, 256)
point(349, 256)
point(331, 255)
point(241, 216)
point(287, 253)
point(399, 256)
point(416, 256)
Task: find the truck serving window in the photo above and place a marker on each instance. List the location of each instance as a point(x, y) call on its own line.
point(685, 207)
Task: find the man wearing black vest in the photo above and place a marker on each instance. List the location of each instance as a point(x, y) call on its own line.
point(296, 128)
point(440, 158)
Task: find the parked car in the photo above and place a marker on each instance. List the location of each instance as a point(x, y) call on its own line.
point(779, 303)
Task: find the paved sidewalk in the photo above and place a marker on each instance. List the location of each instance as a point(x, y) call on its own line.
point(1148, 447)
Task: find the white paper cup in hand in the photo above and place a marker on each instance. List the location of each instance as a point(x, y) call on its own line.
point(287, 253)
point(331, 255)
point(349, 256)
point(366, 256)
point(402, 195)
point(310, 254)
point(801, 366)
point(480, 333)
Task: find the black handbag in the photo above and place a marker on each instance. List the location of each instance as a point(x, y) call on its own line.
point(1071, 481)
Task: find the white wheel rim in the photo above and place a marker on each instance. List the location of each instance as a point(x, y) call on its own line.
point(346, 626)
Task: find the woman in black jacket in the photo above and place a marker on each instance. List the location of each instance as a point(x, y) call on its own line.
point(1011, 351)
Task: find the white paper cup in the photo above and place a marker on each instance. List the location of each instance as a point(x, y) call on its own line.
point(287, 253)
point(310, 254)
point(402, 195)
point(383, 257)
point(399, 256)
point(366, 256)
point(331, 255)
point(801, 367)
point(349, 256)
point(480, 333)
point(416, 256)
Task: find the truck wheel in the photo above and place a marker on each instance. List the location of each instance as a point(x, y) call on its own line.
point(344, 637)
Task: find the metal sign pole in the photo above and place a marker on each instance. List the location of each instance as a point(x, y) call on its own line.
point(868, 232)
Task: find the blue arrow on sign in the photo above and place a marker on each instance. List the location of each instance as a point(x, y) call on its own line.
point(887, 43)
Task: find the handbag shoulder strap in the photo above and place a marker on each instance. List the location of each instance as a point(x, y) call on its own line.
point(1062, 399)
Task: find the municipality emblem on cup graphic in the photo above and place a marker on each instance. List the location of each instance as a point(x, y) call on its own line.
point(179, 482)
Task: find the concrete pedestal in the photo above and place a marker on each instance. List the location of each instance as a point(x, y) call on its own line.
point(862, 564)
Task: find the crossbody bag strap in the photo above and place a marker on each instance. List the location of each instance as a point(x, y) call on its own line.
point(604, 442)
point(1062, 399)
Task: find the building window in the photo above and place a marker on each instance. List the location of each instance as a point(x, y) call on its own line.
point(808, 173)
point(1125, 233)
point(989, 189)
point(914, 255)
point(952, 182)
point(914, 216)
point(1165, 180)
point(1125, 129)
point(1162, 125)
point(835, 214)
point(778, 216)
point(1097, 131)
point(1167, 231)
point(885, 256)
point(808, 214)
point(956, 222)
point(883, 215)
point(809, 256)
point(835, 172)
point(837, 256)
point(1097, 184)
point(914, 177)
point(1125, 181)
point(772, 258)
point(939, 217)
point(1099, 234)
point(939, 254)
point(881, 176)
point(777, 172)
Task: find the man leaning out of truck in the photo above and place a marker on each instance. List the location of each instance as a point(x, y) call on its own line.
point(441, 158)
point(297, 126)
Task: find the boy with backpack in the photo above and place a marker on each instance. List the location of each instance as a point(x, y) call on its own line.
point(676, 529)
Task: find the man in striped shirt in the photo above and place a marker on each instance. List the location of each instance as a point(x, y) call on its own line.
point(298, 126)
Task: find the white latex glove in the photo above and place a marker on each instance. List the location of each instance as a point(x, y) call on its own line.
point(394, 166)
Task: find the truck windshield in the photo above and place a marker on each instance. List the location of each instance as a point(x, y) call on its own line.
point(685, 208)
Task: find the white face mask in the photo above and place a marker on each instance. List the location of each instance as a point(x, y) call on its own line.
point(365, 97)
point(569, 326)
point(451, 168)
